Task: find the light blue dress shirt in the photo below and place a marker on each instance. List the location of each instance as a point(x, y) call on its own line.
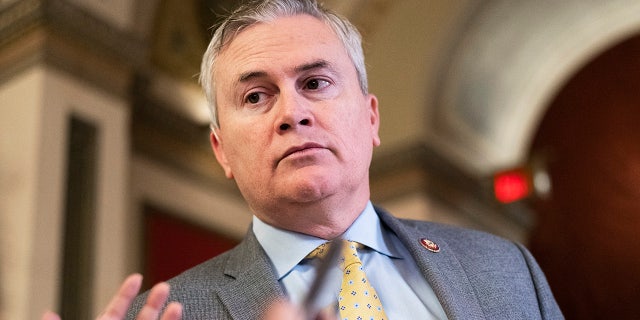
point(404, 292)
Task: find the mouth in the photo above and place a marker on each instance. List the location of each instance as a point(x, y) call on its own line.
point(300, 149)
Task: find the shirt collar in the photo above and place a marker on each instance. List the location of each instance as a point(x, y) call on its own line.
point(368, 230)
point(287, 248)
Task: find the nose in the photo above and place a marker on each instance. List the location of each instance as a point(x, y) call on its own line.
point(286, 126)
point(293, 113)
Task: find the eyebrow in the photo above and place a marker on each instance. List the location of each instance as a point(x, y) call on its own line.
point(251, 75)
point(318, 64)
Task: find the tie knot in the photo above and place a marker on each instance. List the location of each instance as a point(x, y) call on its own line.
point(350, 253)
point(319, 252)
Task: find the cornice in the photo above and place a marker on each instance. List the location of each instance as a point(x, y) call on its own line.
point(419, 168)
point(161, 133)
point(17, 18)
point(67, 37)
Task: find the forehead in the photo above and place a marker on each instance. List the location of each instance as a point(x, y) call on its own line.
point(283, 43)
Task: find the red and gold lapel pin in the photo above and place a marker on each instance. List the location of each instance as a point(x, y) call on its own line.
point(429, 245)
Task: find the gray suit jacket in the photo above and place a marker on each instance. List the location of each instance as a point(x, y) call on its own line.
point(475, 276)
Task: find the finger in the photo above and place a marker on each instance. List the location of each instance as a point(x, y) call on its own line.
point(119, 304)
point(283, 311)
point(156, 299)
point(49, 315)
point(172, 312)
point(328, 313)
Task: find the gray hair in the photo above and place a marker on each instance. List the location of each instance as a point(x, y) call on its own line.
point(258, 11)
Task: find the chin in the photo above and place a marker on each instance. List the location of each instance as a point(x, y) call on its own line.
point(309, 193)
point(310, 189)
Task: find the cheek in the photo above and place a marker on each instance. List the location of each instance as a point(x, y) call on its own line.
point(243, 150)
point(247, 148)
point(358, 122)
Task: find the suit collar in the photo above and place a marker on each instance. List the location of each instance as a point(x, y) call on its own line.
point(442, 270)
point(253, 284)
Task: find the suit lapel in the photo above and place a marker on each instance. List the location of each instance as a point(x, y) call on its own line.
point(253, 285)
point(442, 270)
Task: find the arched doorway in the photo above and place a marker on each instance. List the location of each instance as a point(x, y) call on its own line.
point(587, 238)
point(559, 79)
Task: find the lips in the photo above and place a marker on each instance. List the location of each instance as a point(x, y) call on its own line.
point(303, 147)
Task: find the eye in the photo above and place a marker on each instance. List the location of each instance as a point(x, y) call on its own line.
point(315, 84)
point(253, 97)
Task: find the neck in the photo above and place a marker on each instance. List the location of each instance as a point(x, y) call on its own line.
point(326, 219)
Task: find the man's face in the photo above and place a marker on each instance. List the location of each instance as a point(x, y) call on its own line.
point(295, 127)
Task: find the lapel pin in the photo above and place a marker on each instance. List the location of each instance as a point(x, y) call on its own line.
point(429, 245)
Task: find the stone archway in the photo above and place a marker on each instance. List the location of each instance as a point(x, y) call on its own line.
point(509, 61)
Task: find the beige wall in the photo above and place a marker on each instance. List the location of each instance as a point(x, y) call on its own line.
point(36, 106)
point(21, 120)
point(403, 54)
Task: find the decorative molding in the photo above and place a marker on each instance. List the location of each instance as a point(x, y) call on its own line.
point(61, 35)
point(70, 38)
point(177, 42)
point(17, 18)
point(170, 138)
point(421, 169)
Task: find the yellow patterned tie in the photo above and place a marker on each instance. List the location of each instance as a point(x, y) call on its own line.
point(357, 299)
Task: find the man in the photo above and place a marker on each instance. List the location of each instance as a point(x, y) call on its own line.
point(294, 125)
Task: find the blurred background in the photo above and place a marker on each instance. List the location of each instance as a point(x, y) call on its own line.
point(519, 118)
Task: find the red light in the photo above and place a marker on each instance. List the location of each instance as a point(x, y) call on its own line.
point(511, 186)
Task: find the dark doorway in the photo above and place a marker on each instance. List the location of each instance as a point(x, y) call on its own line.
point(588, 234)
point(173, 245)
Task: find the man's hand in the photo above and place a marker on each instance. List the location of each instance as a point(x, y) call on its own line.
point(286, 311)
point(119, 304)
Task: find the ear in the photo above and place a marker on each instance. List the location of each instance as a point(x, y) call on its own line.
point(372, 102)
point(218, 150)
